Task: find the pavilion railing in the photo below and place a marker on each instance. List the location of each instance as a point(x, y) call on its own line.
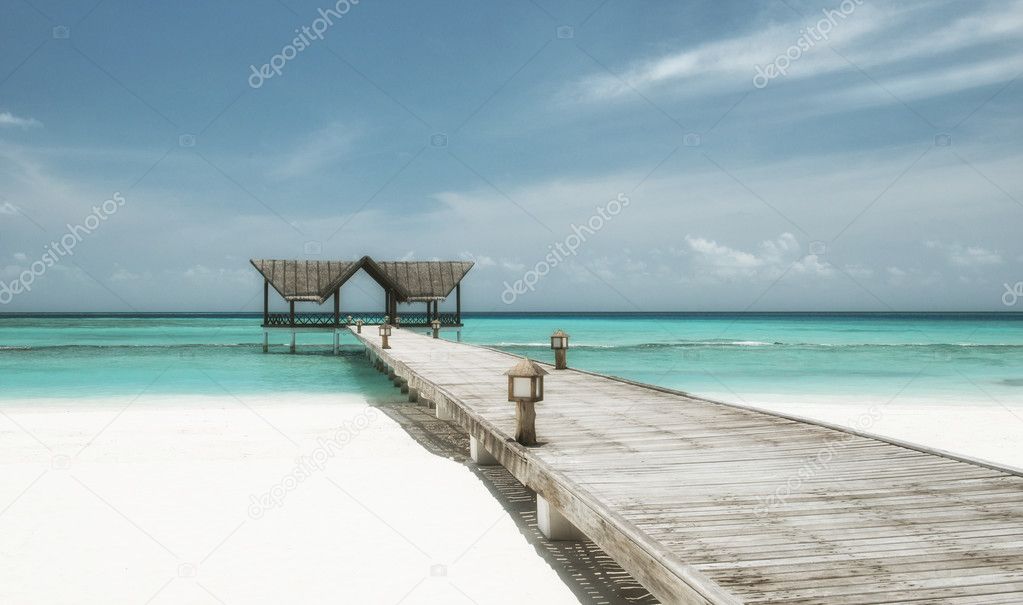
point(311, 320)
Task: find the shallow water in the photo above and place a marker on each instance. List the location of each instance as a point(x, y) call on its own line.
point(941, 357)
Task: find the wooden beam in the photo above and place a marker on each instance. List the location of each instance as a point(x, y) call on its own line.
point(291, 313)
point(266, 301)
point(337, 306)
point(458, 303)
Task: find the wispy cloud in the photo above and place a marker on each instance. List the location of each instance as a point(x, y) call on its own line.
point(959, 255)
point(902, 46)
point(315, 151)
point(9, 119)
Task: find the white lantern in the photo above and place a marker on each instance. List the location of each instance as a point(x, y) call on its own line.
point(385, 329)
point(525, 382)
point(525, 388)
point(559, 340)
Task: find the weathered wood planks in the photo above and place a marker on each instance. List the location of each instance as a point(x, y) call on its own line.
point(705, 502)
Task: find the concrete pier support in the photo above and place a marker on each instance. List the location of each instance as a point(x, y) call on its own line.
point(266, 341)
point(292, 341)
point(413, 395)
point(553, 524)
point(443, 413)
point(479, 454)
point(337, 343)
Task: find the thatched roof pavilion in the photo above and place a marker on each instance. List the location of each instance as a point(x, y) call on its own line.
point(403, 282)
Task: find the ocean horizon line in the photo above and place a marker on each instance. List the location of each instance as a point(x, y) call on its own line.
point(526, 314)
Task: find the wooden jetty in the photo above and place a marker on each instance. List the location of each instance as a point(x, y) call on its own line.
point(710, 503)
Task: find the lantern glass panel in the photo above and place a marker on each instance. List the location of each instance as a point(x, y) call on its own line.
point(522, 387)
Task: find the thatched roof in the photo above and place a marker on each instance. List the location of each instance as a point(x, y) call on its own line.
point(424, 280)
point(315, 281)
point(527, 368)
point(306, 280)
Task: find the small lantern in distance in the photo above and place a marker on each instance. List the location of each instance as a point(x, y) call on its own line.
point(397, 321)
point(559, 342)
point(385, 333)
point(435, 324)
point(348, 320)
point(525, 388)
point(358, 326)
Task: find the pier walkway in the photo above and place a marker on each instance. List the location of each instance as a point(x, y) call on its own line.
point(704, 502)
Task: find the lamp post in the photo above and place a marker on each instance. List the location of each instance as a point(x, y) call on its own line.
point(435, 324)
point(525, 388)
point(348, 320)
point(397, 321)
point(559, 342)
point(385, 332)
point(358, 326)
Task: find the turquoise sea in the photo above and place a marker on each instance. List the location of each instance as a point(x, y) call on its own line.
point(945, 357)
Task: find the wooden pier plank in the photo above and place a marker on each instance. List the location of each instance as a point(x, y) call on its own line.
point(679, 490)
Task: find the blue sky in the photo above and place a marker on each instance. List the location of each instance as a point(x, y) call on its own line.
point(880, 171)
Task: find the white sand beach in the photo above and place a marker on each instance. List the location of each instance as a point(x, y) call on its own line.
point(982, 430)
point(206, 500)
point(304, 499)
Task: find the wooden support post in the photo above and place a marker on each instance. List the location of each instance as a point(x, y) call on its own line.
point(337, 343)
point(525, 422)
point(458, 307)
point(291, 313)
point(337, 307)
point(553, 524)
point(266, 301)
point(266, 341)
point(560, 359)
point(479, 454)
point(293, 339)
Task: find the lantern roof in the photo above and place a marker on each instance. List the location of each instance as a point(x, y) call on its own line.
point(559, 333)
point(527, 368)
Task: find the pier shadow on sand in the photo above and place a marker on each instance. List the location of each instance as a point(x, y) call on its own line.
point(593, 576)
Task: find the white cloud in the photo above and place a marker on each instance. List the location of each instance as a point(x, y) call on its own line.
point(203, 275)
point(317, 150)
point(859, 271)
point(896, 276)
point(959, 255)
point(481, 261)
point(975, 47)
point(9, 119)
point(123, 275)
point(717, 262)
